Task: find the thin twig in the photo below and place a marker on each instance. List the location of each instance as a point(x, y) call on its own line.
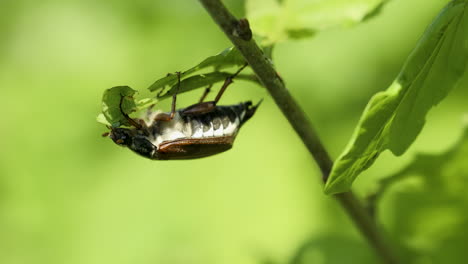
point(238, 32)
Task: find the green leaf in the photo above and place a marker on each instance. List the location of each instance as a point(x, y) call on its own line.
point(448, 169)
point(393, 118)
point(111, 104)
point(145, 103)
point(425, 206)
point(228, 58)
point(291, 19)
point(111, 98)
point(202, 80)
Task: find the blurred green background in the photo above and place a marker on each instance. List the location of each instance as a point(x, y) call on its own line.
point(67, 195)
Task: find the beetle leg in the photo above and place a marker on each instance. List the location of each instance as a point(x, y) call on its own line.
point(163, 89)
point(163, 117)
point(205, 93)
point(169, 117)
point(227, 82)
point(206, 107)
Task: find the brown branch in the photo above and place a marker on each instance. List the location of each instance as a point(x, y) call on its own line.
point(239, 33)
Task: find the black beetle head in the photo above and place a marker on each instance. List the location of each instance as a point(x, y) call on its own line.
point(121, 136)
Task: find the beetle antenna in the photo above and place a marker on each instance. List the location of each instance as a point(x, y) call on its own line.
point(127, 117)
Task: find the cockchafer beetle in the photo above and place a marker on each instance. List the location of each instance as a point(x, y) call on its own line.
point(200, 130)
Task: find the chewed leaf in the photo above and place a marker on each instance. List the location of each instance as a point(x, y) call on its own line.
point(145, 103)
point(202, 80)
point(281, 20)
point(111, 104)
point(228, 58)
point(393, 118)
point(195, 82)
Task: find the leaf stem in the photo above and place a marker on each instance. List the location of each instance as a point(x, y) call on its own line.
point(238, 32)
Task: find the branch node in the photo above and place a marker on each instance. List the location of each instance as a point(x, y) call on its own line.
point(242, 29)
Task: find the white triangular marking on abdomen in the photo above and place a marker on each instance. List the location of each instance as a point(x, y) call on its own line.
point(232, 128)
point(210, 132)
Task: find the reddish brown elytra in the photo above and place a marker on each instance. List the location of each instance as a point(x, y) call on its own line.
point(200, 130)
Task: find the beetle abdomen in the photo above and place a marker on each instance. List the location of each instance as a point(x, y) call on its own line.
point(222, 121)
point(188, 135)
